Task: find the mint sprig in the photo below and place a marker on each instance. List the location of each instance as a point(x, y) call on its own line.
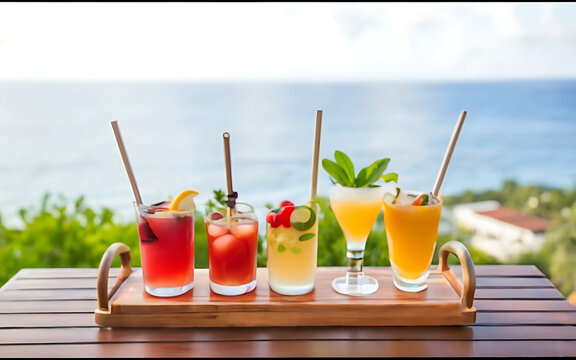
point(342, 171)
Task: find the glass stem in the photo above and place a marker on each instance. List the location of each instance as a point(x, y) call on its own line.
point(355, 260)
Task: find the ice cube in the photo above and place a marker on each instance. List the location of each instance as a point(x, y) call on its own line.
point(217, 230)
point(405, 198)
point(245, 231)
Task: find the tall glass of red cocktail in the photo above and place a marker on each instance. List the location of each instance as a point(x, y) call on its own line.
point(166, 249)
point(166, 232)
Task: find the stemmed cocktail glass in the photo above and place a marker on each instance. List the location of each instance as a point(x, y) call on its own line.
point(356, 203)
point(356, 210)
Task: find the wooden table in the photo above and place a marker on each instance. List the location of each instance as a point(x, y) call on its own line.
point(50, 313)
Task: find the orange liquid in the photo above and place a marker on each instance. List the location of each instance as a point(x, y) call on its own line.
point(356, 217)
point(412, 232)
point(356, 210)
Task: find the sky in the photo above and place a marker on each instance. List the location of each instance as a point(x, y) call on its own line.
point(286, 41)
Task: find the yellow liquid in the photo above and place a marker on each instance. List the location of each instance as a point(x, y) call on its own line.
point(412, 232)
point(291, 262)
point(356, 215)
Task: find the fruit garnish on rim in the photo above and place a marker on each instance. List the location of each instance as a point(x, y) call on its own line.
point(405, 198)
point(421, 200)
point(301, 217)
point(184, 201)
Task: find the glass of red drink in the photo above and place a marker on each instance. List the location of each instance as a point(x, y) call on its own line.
point(232, 250)
point(166, 249)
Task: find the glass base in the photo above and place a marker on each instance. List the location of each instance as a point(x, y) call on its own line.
point(232, 290)
point(291, 289)
point(410, 285)
point(168, 292)
point(357, 285)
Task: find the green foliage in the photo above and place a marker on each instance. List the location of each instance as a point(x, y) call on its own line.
point(560, 251)
point(59, 235)
point(219, 203)
point(70, 234)
point(200, 242)
point(342, 171)
point(331, 242)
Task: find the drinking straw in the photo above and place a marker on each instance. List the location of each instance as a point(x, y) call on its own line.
point(448, 153)
point(126, 162)
point(316, 155)
point(231, 195)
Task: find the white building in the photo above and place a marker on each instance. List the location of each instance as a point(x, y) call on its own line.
point(500, 231)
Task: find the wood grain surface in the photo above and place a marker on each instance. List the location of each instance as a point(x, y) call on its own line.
point(440, 304)
point(50, 313)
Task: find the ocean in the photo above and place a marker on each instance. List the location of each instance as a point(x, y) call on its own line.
point(57, 137)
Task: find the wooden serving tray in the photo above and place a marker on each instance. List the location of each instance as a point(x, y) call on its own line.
point(445, 302)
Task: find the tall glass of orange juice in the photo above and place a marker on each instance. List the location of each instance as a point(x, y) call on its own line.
point(411, 221)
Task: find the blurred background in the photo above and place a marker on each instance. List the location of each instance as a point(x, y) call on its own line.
point(391, 80)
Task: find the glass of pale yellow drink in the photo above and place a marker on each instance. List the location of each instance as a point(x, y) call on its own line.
point(412, 231)
point(356, 210)
point(292, 245)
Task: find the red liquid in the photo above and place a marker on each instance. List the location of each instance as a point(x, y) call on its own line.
point(232, 251)
point(167, 248)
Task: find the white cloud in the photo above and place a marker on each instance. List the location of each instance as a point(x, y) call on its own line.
point(282, 41)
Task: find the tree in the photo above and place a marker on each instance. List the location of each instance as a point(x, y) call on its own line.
point(560, 244)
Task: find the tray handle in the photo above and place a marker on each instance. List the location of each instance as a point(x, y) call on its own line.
point(467, 290)
point(123, 251)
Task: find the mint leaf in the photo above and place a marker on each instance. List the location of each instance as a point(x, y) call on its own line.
point(344, 161)
point(371, 174)
point(342, 171)
point(295, 250)
point(390, 177)
point(336, 172)
point(361, 178)
point(375, 170)
point(306, 236)
point(281, 248)
point(397, 194)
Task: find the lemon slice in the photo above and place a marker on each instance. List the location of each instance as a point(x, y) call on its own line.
point(184, 201)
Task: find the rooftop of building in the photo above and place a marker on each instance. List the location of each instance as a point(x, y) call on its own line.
point(530, 222)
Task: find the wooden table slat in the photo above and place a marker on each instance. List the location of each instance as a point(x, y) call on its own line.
point(96, 335)
point(50, 313)
point(331, 348)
